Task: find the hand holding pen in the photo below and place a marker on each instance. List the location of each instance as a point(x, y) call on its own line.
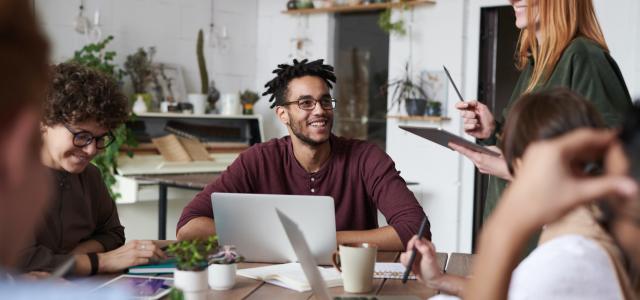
point(410, 248)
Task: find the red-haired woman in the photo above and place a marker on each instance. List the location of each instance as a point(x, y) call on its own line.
point(561, 45)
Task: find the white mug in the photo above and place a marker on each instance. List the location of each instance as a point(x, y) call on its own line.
point(356, 262)
point(199, 102)
point(229, 104)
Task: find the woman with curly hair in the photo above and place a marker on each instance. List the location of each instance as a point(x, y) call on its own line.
point(81, 109)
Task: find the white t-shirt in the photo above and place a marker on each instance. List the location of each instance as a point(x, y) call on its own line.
point(567, 267)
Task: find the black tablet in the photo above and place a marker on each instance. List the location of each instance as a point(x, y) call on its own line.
point(443, 137)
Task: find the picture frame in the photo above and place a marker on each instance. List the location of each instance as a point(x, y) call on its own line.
point(168, 84)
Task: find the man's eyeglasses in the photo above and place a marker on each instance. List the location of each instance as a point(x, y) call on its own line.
point(310, 103)
point(84, 138)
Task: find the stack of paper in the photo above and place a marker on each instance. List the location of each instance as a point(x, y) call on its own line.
point(291, 276)
point(390, 271)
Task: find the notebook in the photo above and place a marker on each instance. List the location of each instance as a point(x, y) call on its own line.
point(164, 267)
point(390, 271)
point(291, 276)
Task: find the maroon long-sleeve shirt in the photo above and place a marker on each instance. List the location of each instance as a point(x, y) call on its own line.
point(358, 175)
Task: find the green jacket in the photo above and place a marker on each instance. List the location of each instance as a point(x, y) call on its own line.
point(586, 69)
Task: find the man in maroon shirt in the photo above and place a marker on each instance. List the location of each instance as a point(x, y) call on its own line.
point(359, 176)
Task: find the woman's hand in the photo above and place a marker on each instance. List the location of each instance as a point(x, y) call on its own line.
point(486, 163)
point(478, 121)
point(131, 254)
point(551, 183)
point(425, 266)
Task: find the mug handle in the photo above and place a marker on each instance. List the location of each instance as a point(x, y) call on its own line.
point(335, 258)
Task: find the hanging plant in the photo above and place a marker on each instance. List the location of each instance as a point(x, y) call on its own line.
point(385, 23)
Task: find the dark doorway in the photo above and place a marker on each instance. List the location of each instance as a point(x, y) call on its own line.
point(361, 60)
point(496, 79)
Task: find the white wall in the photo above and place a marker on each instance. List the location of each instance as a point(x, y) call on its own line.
point(171, 26)
point(275, 34)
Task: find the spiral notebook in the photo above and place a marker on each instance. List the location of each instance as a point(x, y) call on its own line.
point(390, 271)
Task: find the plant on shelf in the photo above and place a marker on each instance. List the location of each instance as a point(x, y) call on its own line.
point(385, 23)
point(200, 100)
point(408, 91)
point(388, 26)
point(139, 68)
point(248, 99)
point(95, 56)
point(434, 109)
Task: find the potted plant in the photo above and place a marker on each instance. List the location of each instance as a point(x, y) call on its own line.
point(407, 91)
point(248, 99)
point(138, 67)
point(95, 56)
point(222, 268)
point(199, 100)
point(190, 275)
point(434, 108)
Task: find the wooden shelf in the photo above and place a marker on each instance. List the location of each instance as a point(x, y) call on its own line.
point(355, 8)
point(420, 118)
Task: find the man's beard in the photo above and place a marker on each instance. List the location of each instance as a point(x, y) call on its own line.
point(305, 139)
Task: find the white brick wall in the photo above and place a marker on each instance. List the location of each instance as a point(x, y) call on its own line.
point(171, 26)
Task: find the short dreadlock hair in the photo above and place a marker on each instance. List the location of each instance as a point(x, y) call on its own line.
point(278, 86)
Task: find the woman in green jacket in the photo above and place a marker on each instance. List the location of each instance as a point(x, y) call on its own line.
point(561, 44)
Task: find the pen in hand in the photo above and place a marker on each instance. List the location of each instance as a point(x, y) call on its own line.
point(412, 258)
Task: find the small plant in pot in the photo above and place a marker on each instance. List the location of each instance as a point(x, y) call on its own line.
point(199, 100)
point(407, 91)
point(248, 99)
point(222, 267)
point(139, 68)
point(190, 275)
point(434, 109)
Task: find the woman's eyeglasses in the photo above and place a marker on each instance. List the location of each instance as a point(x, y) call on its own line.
point(84, 138)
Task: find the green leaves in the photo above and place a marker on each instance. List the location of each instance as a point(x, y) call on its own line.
point(384, 21)
point(192, 255)
point(95, 56)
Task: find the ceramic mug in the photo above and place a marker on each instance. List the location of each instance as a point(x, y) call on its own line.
point(356, 262)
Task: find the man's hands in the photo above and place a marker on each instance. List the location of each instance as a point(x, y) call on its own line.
point(477, 119)
point(131, 254)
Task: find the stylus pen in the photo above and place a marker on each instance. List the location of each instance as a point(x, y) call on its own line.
point(412, 258)
point(453, 83)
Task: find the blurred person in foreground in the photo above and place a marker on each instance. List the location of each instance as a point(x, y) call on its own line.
point(549, 188)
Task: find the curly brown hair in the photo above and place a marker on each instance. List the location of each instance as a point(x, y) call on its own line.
point(79, 94)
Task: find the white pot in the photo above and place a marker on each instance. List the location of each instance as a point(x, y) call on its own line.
point(222, 277)
point(139, 107)
point(199, 102)
point(190, 281)
point(229, 104)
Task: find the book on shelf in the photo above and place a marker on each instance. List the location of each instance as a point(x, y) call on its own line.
point(180, 149)
point(291, 276)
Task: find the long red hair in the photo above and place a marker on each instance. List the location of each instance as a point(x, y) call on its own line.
point(560, 21)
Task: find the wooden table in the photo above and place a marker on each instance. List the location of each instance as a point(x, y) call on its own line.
point(246, 288)
point(196, 181)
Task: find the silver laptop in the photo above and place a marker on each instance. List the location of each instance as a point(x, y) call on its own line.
point(250, 222)
point(310, 269)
